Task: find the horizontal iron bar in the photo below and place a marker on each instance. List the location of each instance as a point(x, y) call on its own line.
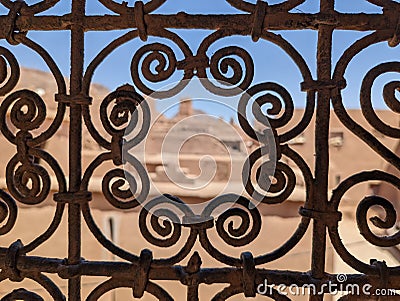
point(239, 22)
point(229, 275)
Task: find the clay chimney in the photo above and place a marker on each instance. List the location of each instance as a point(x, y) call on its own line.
point(186, 108)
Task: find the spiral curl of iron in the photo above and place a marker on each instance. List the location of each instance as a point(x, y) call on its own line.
point(8, 77)
point(20, 174)
point(221, 62)
point(277, 178)
point(25, 120)
point(123, 117)
point(166, 66)
point(113, 191)
point(250, 219)
point(382, 222)
point(8, 212)
point(260, 96)
point(388, 222)
point(164, 221)
point(388, 95)
point(114, 181)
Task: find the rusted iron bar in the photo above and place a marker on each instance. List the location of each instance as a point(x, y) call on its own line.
point(319, 202)
point(176, 273)
point(279, 21)
point(75, 141)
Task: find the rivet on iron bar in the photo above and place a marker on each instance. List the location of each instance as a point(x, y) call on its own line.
point(116, 150)
point(79, 197)
point(78, 99)
point(317, 85)
point(139, 20)
point(260, 12)
point(12, 32)
point(22, 138)
point(194, 264)
point(395, 40)
point(329, 217)
point(249, 274)
point(191, 278)
point(66, 271)
point(198, 222)
point(10, 268)
point(142, 273)
point(383, 275)
point(278, 146)
point(193, 62)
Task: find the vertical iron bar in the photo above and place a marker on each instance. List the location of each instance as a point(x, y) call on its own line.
point(320, 199)
point(193, 293)
point(75, 140)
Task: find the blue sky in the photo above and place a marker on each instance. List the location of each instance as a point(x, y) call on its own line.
point(271, 63)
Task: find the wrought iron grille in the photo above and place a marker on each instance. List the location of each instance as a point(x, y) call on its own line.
point(241, 275)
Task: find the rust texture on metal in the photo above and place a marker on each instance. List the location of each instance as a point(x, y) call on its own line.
point(140, 271)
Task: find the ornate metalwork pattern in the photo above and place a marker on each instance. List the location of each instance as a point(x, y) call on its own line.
point(26, 111)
